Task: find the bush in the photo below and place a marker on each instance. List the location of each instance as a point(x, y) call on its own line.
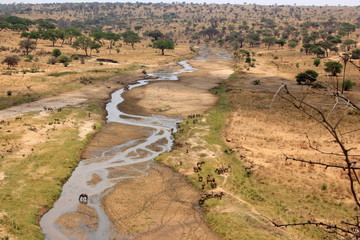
point(56, 52)
point(317, 61)
point(52, 61)
point(317, 85)
point(306, 77)
point(75, 57)
point(355, 54)
point(256, 82)
point(348, 85)
point(9, 93)
point(64, 58)
point(11, 61)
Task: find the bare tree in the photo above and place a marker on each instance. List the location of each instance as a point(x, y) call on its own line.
point(346, 157)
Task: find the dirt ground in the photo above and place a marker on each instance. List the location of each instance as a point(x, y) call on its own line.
point(188, 96)
point(164, 205)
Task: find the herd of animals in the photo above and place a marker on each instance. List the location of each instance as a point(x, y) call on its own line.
point(198, 168)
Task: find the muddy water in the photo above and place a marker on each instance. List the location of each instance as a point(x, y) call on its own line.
point(69, 219)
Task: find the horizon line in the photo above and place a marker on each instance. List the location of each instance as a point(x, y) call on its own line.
point(174, 2)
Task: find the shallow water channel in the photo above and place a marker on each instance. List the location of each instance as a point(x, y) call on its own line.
point(129, 153)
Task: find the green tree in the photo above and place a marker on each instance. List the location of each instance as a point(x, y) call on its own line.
point(11, 61)
point(83, 43)
point(164, 44)
point(52, 35)
point(131, 38)
point(349, 43)
point(348, 28)
point(210, 32)
point(28, 45)
point(306, 77)
point(20, 27)
point(333, 67)
point(156, 34)
point(44, 24)
point(71, 33)
point(138, 28)
point(308, 47)
point(95, 46)
point(113, 38)
point(281, 42)
point(98, 36)
point(269, 41)
point(4, 25)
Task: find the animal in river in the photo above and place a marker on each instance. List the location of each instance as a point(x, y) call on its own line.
point(83, 198)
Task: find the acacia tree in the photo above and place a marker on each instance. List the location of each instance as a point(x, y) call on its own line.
point(156, 34)
point(164, 44)
point(131, 38)
point(333, 67)
point(84, 43)
point(52, 35)
point(28, 45)
point(71, 33)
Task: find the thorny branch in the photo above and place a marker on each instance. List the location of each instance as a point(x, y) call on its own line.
point(344, 230)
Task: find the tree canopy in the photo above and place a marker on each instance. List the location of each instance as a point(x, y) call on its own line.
point(164, 44)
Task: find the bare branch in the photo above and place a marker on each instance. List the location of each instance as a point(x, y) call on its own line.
point(319, 163)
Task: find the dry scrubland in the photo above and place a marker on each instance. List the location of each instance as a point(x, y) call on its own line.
point(272, 189)
point(49, 80)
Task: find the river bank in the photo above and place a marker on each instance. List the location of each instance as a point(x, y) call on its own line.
point(163, 203)
point(42, 147)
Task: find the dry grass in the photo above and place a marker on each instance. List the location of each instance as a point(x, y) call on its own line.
point(47, 79)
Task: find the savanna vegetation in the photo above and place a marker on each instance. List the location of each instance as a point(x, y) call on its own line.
point(48, 49)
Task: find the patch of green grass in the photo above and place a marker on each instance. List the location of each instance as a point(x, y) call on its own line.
point(6, 102)
point(234, 75)
point(59, 74)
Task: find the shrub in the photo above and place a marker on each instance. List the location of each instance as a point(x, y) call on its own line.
point(355, 54)
point(317, 85)
point(75, 57)
point(56, 52)
point(306, 77)
point(317, 61)
point(9, 93)
point(52, 60)
point(256, 82)
point(348, 85)
point(11, 61)
point(64, 58)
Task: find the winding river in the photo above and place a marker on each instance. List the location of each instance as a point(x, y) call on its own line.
point(129, 153)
